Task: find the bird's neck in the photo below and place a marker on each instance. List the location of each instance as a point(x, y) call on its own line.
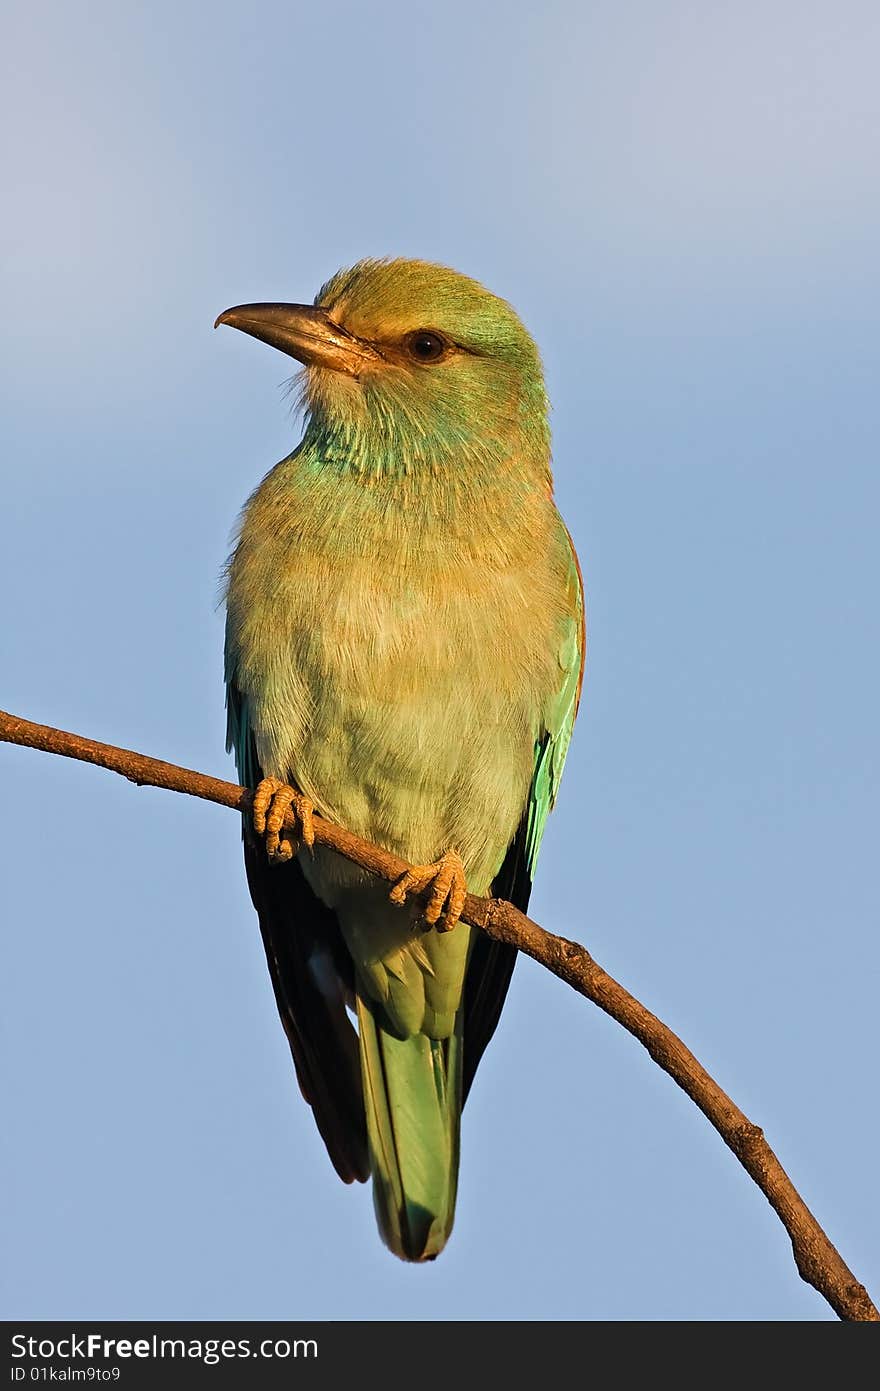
point(386, 448)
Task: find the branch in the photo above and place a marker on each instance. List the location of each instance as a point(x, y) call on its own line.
point(817, 1260)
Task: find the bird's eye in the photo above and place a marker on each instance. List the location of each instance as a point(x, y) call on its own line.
point(425, 345)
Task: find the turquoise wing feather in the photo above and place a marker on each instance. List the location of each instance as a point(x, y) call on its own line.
point(552, 748)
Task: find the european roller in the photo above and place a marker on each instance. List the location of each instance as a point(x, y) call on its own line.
point(404, 655)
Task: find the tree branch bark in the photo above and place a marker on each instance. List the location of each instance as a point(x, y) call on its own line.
point(817, 1260)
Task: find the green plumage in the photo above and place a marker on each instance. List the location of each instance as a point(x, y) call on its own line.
point(412, 1095)
point(405, 646)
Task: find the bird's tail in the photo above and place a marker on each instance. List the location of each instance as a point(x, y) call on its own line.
point(412, 1096)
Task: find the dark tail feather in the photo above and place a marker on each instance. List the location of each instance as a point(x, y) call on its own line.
point(295, 926)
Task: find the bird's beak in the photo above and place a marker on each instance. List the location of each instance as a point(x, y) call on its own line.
point(304, 332)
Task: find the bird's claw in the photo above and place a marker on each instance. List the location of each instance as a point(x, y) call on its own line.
point(448, 889)
point(272, 801)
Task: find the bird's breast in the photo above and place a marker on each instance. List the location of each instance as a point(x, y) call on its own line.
point(402, 690)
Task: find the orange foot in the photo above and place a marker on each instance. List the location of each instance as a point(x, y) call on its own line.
point(272, 801)
point(446, 881)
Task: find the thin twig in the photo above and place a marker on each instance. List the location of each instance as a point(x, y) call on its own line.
point(817, 1260)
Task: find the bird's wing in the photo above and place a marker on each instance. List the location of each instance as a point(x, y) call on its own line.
point(310, 969)
point(491, 963)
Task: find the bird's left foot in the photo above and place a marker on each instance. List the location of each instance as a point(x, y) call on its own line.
point(445, 879)
point(272, 801)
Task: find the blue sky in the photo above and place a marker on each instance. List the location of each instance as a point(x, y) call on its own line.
point(682, 202)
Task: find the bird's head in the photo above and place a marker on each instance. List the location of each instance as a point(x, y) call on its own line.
point(408, 363)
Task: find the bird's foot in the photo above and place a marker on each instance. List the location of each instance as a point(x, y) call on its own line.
point(272, 801)
point(445, 879)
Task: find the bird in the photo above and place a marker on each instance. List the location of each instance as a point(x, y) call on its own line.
point(404, 655)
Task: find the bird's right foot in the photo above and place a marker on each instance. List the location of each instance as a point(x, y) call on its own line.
point(271, 804)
